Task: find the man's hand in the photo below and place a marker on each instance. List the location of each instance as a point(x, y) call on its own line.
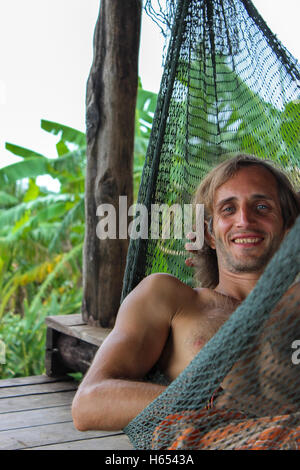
point(189, 247)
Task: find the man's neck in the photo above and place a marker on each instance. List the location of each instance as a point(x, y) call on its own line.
point(237, 286)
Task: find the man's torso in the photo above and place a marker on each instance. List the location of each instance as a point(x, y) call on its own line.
point(201, 312)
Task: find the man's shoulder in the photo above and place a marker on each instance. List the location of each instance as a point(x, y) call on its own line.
point(166, 289)
point(157, 298)
point(167, 283)
point(164, 282)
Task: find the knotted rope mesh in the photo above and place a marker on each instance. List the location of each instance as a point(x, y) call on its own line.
point(228, 86)
point(263, 383)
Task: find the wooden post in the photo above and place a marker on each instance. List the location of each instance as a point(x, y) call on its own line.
point(110, 116)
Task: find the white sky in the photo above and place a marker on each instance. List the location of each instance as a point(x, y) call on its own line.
point(46, 54)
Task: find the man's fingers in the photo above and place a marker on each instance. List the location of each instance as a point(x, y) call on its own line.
point(191, 236)
point(190, 247)
point(189, 262)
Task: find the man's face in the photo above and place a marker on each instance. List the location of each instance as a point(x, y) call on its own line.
point(247, 221)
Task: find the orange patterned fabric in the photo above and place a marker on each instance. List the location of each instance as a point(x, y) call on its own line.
point(227, 430)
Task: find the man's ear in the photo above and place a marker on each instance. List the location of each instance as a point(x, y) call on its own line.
point(208, 233)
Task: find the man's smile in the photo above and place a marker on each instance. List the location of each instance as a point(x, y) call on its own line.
point(247, 240)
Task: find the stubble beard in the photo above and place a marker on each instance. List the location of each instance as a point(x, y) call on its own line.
point(247, 264)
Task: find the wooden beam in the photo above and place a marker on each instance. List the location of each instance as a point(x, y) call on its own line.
point(110, 117)
point(71, 344)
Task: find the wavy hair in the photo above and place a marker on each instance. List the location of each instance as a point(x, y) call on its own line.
point(205, 262)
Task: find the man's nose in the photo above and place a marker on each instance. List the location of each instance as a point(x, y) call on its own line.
point(244, 217)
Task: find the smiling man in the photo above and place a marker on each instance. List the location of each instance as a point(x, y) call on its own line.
point(248, 225)
point(163, 323)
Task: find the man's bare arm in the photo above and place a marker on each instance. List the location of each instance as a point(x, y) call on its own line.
point(112, 392)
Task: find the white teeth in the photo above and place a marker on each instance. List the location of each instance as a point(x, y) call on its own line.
point(247, 240)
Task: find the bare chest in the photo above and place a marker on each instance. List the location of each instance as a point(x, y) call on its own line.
point(189, 333)
point(199, 329)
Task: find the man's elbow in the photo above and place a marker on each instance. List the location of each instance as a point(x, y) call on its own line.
point(83, 412)
point(79, 414)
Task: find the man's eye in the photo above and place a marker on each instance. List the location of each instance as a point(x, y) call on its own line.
point(262, 206)
point(228, 209)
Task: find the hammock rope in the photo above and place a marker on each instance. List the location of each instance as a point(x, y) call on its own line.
point(228, 86)
point(194, 386)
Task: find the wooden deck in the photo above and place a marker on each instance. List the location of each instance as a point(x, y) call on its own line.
point(35, 414)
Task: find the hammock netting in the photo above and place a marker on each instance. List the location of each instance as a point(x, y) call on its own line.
point(228, 86)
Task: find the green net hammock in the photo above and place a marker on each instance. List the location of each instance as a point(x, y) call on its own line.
point(228, 86)
point(236, 342)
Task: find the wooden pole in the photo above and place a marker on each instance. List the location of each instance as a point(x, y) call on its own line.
point(110, 116)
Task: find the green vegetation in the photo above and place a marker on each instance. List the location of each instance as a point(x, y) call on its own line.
point(42, 232)
point(41, 238)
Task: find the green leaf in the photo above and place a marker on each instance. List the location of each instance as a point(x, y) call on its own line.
point(145, 108)
point(22, 151)
point(12, 215)
point(77, 376)
point(75, 252)
point(146, 101)
point(7, 199)
point(32, 192)
point(29, 168)
point(68, 134)
point(62, 148)
point(290, 127)
point(76, 212)
point(21, 222)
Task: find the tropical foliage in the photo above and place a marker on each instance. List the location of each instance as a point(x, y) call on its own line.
point(41, 237)
point(42, 231)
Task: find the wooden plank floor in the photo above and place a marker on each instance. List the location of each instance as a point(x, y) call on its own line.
point(35, 413)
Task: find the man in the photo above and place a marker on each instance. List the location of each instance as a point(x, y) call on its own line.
point(163, 323)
